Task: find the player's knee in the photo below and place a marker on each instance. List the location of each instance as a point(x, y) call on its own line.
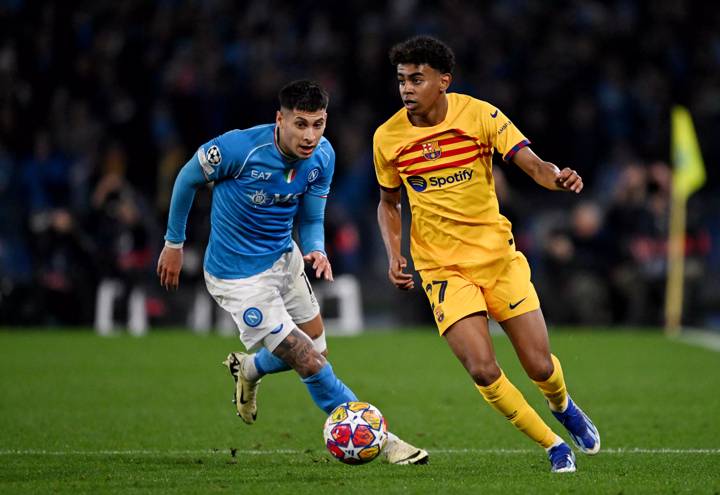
point(484, 373)
point(540, 370)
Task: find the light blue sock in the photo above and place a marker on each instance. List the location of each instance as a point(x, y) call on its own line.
point(268, 363)
point(327, 390)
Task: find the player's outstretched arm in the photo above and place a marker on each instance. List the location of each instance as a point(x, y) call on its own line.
point(390, 221)
point(548, 174)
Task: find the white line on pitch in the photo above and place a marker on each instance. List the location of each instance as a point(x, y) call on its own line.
point(625, 450)
point(622, 450)
point(706, 339)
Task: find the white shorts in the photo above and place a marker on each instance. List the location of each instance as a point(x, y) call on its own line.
point(267, 306)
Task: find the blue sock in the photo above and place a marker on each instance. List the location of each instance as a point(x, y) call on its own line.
point(327, 390)
point(267, 363)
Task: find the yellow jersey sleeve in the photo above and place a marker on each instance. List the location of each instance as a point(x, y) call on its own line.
point(386, 172)
point(501, 132)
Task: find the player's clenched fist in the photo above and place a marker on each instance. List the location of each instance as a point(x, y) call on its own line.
point(570, 180)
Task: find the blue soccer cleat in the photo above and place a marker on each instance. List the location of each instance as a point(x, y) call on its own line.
point(562, 459)
point(583, 432)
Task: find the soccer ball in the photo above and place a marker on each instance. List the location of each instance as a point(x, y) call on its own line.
point(355, 432)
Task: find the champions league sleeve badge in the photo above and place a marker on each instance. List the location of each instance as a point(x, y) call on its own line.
point(210, 159)
point(214, 156)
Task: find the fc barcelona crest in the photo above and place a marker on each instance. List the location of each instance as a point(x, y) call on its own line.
point(439, 314)
point(431, 150)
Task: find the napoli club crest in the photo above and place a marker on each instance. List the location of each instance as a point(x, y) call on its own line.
point(252, 317)
point(431, 150)
point(313, 175)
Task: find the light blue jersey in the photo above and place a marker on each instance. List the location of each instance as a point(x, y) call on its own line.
point(257, 195)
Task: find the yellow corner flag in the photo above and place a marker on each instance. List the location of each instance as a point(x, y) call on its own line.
point(688, 177)
point(688, 167)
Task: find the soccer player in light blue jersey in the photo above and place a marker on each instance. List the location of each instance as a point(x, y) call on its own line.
point(267, 179)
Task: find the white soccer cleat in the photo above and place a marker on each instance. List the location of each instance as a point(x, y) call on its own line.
point(245, 393)
point(400, 452)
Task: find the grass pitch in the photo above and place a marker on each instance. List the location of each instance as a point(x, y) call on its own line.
point(83, 414)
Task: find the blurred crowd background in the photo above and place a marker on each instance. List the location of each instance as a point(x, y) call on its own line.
point(101, 103)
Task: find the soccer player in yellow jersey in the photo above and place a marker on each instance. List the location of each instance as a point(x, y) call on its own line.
point(439, 147)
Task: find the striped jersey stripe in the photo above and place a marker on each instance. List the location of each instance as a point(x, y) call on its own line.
point(420, 159)
point(456, 163)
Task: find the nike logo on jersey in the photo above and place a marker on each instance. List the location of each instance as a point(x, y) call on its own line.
point(513, 306)
point(494, 114)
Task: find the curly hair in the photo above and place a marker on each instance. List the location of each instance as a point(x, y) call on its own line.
point(304, 95)
point(424, 50)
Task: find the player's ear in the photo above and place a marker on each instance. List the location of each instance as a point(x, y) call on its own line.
point(278, 118)
point(445, 80)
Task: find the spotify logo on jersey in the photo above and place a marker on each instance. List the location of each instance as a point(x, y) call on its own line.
point(417, 182)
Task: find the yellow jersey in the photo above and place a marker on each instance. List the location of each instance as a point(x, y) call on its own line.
point(447, 172)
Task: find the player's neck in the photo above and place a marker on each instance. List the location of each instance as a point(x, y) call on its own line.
point(434, 116)
point(278, 144)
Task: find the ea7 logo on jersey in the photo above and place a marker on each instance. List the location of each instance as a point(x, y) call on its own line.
point(260, 175)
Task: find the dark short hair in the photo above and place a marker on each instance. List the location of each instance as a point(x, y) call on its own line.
point(424, 50)
point(304, 95)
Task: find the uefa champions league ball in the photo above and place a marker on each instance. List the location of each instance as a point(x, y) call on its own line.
point(355, 432)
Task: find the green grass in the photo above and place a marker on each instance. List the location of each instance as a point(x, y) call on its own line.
point(82, 414)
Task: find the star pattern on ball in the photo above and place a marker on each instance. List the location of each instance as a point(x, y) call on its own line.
point(350, 437)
